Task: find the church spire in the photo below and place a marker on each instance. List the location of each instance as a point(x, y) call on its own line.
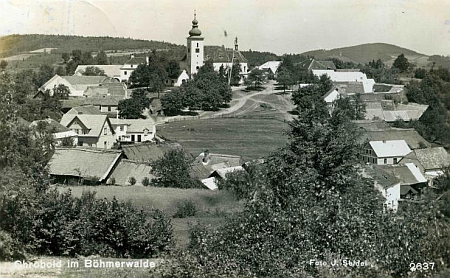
point(195, 31)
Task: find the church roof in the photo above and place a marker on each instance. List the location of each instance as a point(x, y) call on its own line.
point(195, 32)
point(223, 55)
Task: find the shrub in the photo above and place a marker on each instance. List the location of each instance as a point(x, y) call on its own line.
point(132, 180)
point(185, 209)
point(10, 249)
point(145, 181)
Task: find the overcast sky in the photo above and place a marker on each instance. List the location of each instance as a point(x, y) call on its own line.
point(279, 26)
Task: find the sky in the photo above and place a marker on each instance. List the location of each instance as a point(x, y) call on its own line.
point(279, 26)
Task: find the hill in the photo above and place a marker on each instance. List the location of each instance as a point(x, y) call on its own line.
point(372, 51)
point(16, 44)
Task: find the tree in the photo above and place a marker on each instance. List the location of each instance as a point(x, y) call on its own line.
point(255, 76)
point(173, 170)
point(44, 74)
point(61, 71)
point(172, 102)
point(61, 92)
point(173, 69)
point(3, 64)
point(101, 58)
point(66, 57)
point(235, 77)
point(401, 63)
point(93, 71)
point(285, 78)
point(130, 109)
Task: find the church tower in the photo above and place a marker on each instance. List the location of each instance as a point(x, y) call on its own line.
point(195, 49)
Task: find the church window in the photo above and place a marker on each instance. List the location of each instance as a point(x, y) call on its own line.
point(197, 67)
point(189, 50)
point(197, 44)
point(125, 73)
point(197, 50)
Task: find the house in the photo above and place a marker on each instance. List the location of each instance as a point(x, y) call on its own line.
point(372, 125)
point(386, 183)
point(313, 64)
point(128, 169)
point(85, 109)
point(431, 161)
point(103, 105)
point(385, 152)
point(130, 130)
point(219, 174)
point(226, 57)
point(105, 90)
point(93, 130)
point(72, 165)
point(60, 132)
point(405, 112)
point(112, 71)
point(127, 69)
point(411, 179)
point(347, 76)
point(343, 89)
point(410, 135)
point(76, 84)
point(148, 151)
point(271, 67)
point(215, 161)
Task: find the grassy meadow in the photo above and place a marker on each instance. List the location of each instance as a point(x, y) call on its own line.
point(247, 137)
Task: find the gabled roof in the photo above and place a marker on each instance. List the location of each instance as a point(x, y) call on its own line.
point(223, 171)
point(216, 161)
point(380, 176)
point(210, 183)
point(411, 136)
point(272, 65)
point(223, 55)
point(94, 123)
point(405, 112)
point(81, 162)
point(139, 125)
point(433, 158)
point(313, 64)
point(129, 168)
point(390, 148)
point(136, 61)
point(85, 80)
point(408, 174)
point(86, 109)
point(147, 152)
point(372, 125)
point(52, 125)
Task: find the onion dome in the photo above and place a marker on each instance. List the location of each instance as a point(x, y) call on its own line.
point(195, 31)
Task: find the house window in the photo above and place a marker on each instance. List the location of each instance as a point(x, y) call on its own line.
point(131, 65)
point(197, 44)
point(197, 50)
point(139, 138)
point(132, 138)
point(105, 145)
point(105, 131)
point(80, 143)
point(121, 128)
point(385, 161)
point(395, 160)
point(109, 108)
point(125, 73)
point(197, 67)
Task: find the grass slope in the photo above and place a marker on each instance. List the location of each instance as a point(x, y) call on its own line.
point(364, 53)
point(250, 138)
point(15, 44)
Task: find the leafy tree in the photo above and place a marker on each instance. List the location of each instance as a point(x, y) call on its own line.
point(61, 92)
point(130, 109)
point(401, 63)
point(420, 73)
point(44, 74)
point(66, 57)
point(285, 78)
point(93, 71)
point(172, 102)
point(255, 76)
point(77, 56)
point(86, 58)
point(173, 69)
point(101, 58)
point(3, 64)
point(173, 170)
point(61, 71)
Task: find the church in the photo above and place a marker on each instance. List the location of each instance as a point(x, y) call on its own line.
point(220, 56)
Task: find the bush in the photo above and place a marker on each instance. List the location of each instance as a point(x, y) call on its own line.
point(185, 209)
point(10, 249)
point(145, 181)
point(132, 180)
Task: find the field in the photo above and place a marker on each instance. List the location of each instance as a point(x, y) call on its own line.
point(212, 206)
point(248, 137)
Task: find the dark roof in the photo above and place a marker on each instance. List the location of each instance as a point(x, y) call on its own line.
point(136, 61)
point(403, 173)
point(117, 90)
point(411, 136)
point(86, 109)
point(129, 168)
point(85, 80)
point(372, 125)
point(433, 158)
point(83, 162)
point(380, 176)
point(90, 101)
point(216, 161)
point(199, 171)
point(146, 152)
point(223, 55)
point(312, 64)
point(349, 88)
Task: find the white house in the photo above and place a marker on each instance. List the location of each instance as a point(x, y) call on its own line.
point(130, 130)
point(59, 131)
point(76, 84)
point(127, 69)
point(385, 152)
point(348, 76)
point(112, 71)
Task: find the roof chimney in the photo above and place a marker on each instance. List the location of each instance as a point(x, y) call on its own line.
point(132, 55)
point(384, 141)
